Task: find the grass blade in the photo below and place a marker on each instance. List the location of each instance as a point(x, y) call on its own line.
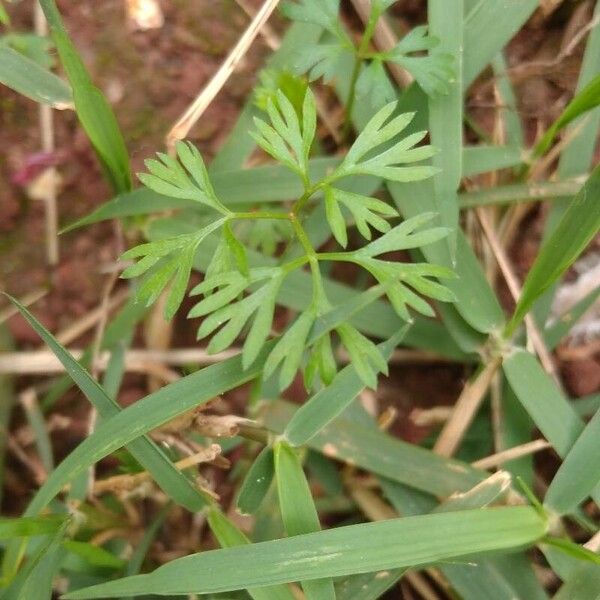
point(145, 415)
point(584, 584)
point(230, 536)
point(150, 456)
point(298, 510)
point(579, 473)
point(30, 79)
point(257, 482)
point(412, 541)
point(584, 101)
point(489, 26)
point(93, 110)
point(446, 115)
point(347, 439)
point(576, 229)
point(30, 526)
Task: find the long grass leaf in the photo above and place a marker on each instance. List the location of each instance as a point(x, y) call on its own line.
point(150, 456)
point(298, 510)
point(576, 229)
point(412, 541)
point(579, 473)
point(446, 115)
point(93, 110)
point(489, 26)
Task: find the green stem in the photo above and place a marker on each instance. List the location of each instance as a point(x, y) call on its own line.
point(361, 53)
point(337, 256)
point(261, 215)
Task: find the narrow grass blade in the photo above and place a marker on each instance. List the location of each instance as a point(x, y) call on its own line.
point(412, 541)
point(446, 115)
point(585, 100)
point(36, 577)
point(30, 526)
point(555, 416)
point(30, 79)
point(555, 332)
point(331, 401)
point(579, 473)
point(550, 411)
point(93, 110)
point(145, 415)
point(298, 510)
point(136, 561)
point(257, 482)
point(576, 229)
point(521, 192)
point(489, 26)
point(274, 183)
point(150, 456)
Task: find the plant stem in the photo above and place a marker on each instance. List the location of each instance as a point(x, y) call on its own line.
point(261, 215)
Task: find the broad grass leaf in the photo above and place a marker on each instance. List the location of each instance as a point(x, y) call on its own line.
point(395, 543)
point(298, 510)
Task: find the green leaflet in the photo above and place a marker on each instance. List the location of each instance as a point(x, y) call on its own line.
point(330, 402)
point(412, 541)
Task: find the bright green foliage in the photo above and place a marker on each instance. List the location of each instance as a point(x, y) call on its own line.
point(432, 71)
point(241, 299)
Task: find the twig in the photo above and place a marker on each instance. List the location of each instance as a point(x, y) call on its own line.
point(128, 482)
point(47, 134)
point(465, 409)
point(495, 460)
point(153, 361)
point(206, 96)
point(274, 42)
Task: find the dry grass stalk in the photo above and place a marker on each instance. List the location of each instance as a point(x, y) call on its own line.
point(465, 410)
point(187, 120)
point(515, 289)
point(500, 458)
